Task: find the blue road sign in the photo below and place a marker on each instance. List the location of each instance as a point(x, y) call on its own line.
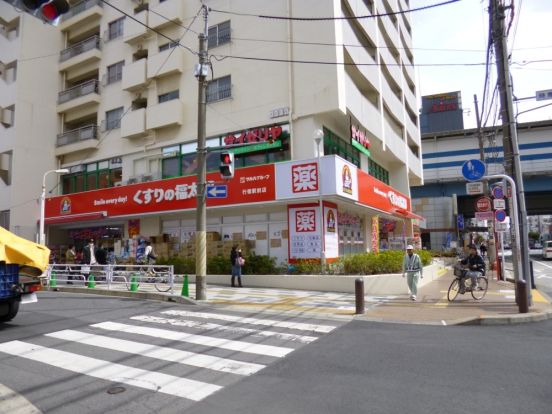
point(500, 215)
point(460, 221)
point(498, 192)
point(473, 170)
point(217, 191)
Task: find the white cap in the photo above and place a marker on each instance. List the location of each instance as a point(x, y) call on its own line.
point(409, 247)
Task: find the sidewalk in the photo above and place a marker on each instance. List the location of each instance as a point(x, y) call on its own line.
point(432, 306)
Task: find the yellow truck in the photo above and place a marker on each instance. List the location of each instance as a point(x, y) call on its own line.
point(22, 262)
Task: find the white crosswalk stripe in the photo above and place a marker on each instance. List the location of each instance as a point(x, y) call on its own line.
point(120, 352)
point(253, 321)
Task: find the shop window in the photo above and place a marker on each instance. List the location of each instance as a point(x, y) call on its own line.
point(104, 174)
point(377, 171)
point(103, 179)
point(167, 46)
point(171, 167)
point(219, 34)
point(189, 164)
point(91, 181)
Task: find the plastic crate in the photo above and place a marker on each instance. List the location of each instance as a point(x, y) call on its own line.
point(9, 276)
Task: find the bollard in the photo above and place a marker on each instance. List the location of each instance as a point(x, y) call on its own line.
point(53, 280)
point(185, 287)
point(91, 282)
point(499, 275)
point(133, 284)
point(533, 286)
point(522, 296)
point(359, 296)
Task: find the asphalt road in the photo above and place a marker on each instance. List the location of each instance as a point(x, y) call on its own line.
point(542, 272)
point(69, 356)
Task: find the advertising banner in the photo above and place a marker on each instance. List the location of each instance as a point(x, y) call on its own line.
point(374, 193)
point(375, 234)
point(331, 233)
point(304, 231)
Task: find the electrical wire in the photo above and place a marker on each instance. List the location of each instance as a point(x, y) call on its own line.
point(312, 19)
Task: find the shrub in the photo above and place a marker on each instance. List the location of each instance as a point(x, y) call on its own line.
point(307, 267)
point(260, 265)
point(182, 265)
point(219, 265)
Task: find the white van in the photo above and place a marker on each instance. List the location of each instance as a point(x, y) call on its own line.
point(547, 250)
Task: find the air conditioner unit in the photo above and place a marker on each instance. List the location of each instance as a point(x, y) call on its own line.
point(132, 180)
point(147, 177)
point(118, 184)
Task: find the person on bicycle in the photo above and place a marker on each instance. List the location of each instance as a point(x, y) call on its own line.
point(476, 267)
point(149, 255)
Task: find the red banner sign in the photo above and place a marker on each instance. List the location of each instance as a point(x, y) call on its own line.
point(249, 185)
point(374, 193)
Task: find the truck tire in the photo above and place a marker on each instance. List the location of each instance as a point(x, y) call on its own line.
point(8, 310)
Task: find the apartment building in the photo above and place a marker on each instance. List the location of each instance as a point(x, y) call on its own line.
point(125, 126)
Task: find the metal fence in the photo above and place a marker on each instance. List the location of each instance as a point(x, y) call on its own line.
point(116, 277)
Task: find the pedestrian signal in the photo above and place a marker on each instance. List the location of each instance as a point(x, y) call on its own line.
point(226, 165)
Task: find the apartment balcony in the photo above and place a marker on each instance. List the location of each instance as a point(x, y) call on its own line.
point(174, 10)
point(9, 47)
point(361, 108)
point(391, 64)
point(81, 56)
point(412, 130)
point(134, 31)
point(133, 124)
point(394, 141)
point(360, 55)
point(8, 93)
point(410, 99)
point(392, 31)
point(134, 75)
point(393, 103)
point(414, 163)
point(165, 63)
point(80, 97)
point(81, 14)
point(166, 114)
point(80, 139)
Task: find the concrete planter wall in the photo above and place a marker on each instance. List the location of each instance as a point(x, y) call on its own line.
point(388, 284)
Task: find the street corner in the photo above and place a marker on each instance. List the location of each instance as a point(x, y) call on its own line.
point(14, 403)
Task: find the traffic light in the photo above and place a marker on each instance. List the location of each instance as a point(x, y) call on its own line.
point(47, 10)
point(226, 165)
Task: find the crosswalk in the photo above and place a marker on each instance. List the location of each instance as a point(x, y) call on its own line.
point(181, 353)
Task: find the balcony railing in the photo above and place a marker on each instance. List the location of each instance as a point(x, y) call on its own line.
point(81, 47)
point(77, 135)
point(81, 7)
point(85, 88)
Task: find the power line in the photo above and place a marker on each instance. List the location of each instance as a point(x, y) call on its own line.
point(372, 16)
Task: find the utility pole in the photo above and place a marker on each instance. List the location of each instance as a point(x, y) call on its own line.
point(491, 244)
point(201, 71)
point(512, 164)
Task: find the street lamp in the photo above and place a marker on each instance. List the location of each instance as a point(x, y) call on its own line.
point(41, 235)
point(318, 136)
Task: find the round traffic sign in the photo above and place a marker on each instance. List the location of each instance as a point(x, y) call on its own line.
point(498, 192)
point(500, 215)
point(483, 204)
point(473, 170)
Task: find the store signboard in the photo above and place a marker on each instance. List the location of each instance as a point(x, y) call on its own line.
point(304, 231)
point(346, 179)
point(375, 234)
point(249, 185)
point(374, 193)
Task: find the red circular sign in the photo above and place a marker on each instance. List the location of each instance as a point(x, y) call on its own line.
point(483, 204)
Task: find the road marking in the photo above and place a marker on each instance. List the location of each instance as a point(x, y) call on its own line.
point(443, 322)
point(538, 297)
point(14, 403)
point(105, 370)
point(159, 352)
point(544, 264)
point(547, 277)
point(208, 326)
point(253, 321)
point(240, 346)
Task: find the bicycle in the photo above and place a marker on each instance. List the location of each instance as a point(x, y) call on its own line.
point(478, 293)
point(159, 277)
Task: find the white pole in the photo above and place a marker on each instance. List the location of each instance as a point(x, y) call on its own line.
point(42, 235)
point(318, 136)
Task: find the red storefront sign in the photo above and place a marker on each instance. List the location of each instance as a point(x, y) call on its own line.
point(249, 185)
point(254, 135)
point(374, 193)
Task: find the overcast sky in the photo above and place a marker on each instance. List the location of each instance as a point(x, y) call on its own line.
point(464, 25)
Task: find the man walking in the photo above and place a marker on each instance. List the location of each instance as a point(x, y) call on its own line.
point(413, 270)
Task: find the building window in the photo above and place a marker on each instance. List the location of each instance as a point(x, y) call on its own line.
point(115, 29)
point(181, 160)
point(115, 72)
point(167, 46)
point(219, 89)
point(113, 118)
point(335, 145)
point(219, 34)
point(377, 171)
point(93, 176)
point(5, 219)
point(169, 96)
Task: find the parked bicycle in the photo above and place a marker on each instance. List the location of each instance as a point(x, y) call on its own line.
point(478, 291)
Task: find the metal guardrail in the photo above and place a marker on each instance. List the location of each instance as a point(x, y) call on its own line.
point(81, 47)
point(76, 135)
point(85, 88)
point(117, 276)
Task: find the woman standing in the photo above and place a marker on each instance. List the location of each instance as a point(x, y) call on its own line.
point(236, 259)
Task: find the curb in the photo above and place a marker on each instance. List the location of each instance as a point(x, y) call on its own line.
point(131, 295)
